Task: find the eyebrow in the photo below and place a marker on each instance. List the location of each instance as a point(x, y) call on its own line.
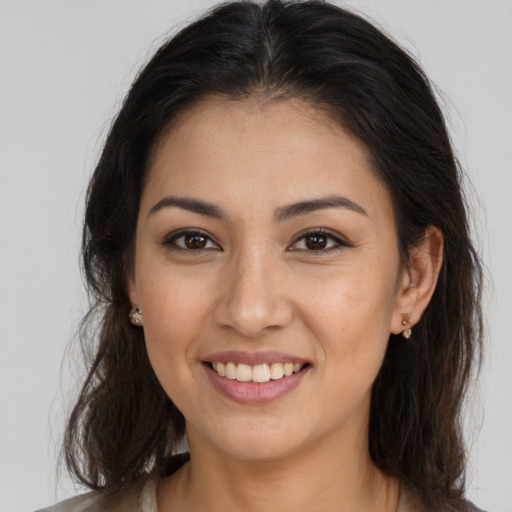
point(284, 213)
point(190, 204)
point(304, 207)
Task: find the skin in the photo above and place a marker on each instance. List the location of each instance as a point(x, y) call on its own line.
point(256, 286)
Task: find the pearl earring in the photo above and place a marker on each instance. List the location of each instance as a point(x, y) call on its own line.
point(406, 322)
point(136, 316)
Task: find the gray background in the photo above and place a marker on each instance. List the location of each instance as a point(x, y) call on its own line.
point(65, 66)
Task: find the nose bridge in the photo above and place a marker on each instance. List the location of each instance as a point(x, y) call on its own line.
point(252, 293)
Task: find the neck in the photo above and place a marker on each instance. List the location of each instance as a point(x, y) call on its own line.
point(318, 478)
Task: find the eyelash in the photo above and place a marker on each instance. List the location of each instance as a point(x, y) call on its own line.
point(339, 244)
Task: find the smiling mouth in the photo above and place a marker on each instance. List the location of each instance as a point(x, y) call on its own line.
point(259, 373)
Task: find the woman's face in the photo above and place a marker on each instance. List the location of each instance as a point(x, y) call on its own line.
point(264, 241)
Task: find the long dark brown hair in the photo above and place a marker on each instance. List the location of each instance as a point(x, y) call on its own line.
point(123, 425)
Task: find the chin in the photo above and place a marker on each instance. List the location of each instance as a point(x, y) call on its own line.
point(257, 451)
point(260, 442)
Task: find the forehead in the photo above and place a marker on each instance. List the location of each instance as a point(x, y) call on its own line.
point(258, 152)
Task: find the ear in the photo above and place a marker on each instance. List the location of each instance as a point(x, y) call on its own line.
point(418, 279)
point(131, 289)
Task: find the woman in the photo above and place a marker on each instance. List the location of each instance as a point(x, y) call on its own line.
point(278, 250)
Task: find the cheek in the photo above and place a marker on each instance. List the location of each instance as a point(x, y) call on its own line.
point(174, 311)
point(173, 299)
point(351, 327)
point(170, 328)
point(349, 300)
point(349, 316)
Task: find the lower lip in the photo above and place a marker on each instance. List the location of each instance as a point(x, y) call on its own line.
point(254, 392)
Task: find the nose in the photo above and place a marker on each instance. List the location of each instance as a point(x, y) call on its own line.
point(253, 295)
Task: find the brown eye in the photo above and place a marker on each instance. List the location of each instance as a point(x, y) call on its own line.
point(195, 241)
point(316, 241)
point(190, 241)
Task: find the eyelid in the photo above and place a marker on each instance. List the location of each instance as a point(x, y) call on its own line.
point(341, 242)
point(169, 240)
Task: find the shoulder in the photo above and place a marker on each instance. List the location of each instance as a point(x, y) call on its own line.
point(139, 498)
point(125, 501)
point(471, 508)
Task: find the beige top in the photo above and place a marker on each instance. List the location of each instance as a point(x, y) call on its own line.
point(142, 498)
point(135, 500)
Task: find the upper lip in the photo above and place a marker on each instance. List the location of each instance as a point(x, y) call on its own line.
point(253, 358)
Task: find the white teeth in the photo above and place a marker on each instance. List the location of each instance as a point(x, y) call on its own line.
point(231, 371)
point(276, 371)
point(243, 373)
point(261, 373)
point(258, 373)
